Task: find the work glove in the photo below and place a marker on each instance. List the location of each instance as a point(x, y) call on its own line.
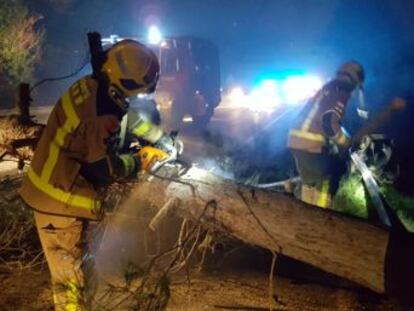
point(150, 156)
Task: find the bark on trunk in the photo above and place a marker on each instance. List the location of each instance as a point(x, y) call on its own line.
point(345, 246)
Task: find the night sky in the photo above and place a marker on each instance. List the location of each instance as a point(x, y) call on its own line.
point(255, 37)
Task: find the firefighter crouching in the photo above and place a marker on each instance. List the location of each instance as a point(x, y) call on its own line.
point(318, 142)
point(75, 157)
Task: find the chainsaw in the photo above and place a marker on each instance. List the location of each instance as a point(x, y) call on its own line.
point(163, 159)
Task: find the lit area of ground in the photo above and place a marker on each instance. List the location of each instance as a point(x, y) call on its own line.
point(222, 290)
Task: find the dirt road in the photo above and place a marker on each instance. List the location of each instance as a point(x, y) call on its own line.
point(210, 291)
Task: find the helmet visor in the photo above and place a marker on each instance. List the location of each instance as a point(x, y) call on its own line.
point(150, 79)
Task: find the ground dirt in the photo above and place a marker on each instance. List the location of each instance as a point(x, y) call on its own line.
point(213, 290)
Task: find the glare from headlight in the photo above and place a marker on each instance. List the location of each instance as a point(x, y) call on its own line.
point(237, 96)
point(265, 97)
point(154, 35)
point(296, 89)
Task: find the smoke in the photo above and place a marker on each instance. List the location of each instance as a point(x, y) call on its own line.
point(127, 259)
point(219, 168)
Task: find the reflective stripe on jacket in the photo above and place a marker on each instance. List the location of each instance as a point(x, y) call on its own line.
point(74, 134)
point(320, 120)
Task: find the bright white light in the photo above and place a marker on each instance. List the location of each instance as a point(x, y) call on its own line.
point(237, 96)
point(269, 85)
point(154, 35)
point(187, 119)
point(299, 88)
point(265, 97)
point(270, 94)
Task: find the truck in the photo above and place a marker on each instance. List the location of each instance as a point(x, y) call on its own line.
point(188, 90)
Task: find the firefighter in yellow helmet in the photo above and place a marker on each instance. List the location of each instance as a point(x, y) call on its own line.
point(77, 156)
point(318, 141)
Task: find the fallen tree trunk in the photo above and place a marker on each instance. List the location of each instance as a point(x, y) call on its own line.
point(342, 245)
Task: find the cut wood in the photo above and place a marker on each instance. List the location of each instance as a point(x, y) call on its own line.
point(339, 244)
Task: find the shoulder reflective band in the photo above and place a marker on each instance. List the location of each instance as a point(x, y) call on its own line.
point(148, 131)
point(72, 121)
point(62, 196)
point(372, 187)
point(307, 135)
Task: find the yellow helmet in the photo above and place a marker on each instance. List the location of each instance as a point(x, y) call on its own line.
point(131, 68)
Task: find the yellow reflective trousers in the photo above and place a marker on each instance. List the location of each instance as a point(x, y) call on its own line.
point(61, 239)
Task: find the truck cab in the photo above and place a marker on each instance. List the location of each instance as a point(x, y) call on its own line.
point(189, 85)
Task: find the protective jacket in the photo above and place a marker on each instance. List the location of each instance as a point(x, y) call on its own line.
point(319, 124)
point(76, 154)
